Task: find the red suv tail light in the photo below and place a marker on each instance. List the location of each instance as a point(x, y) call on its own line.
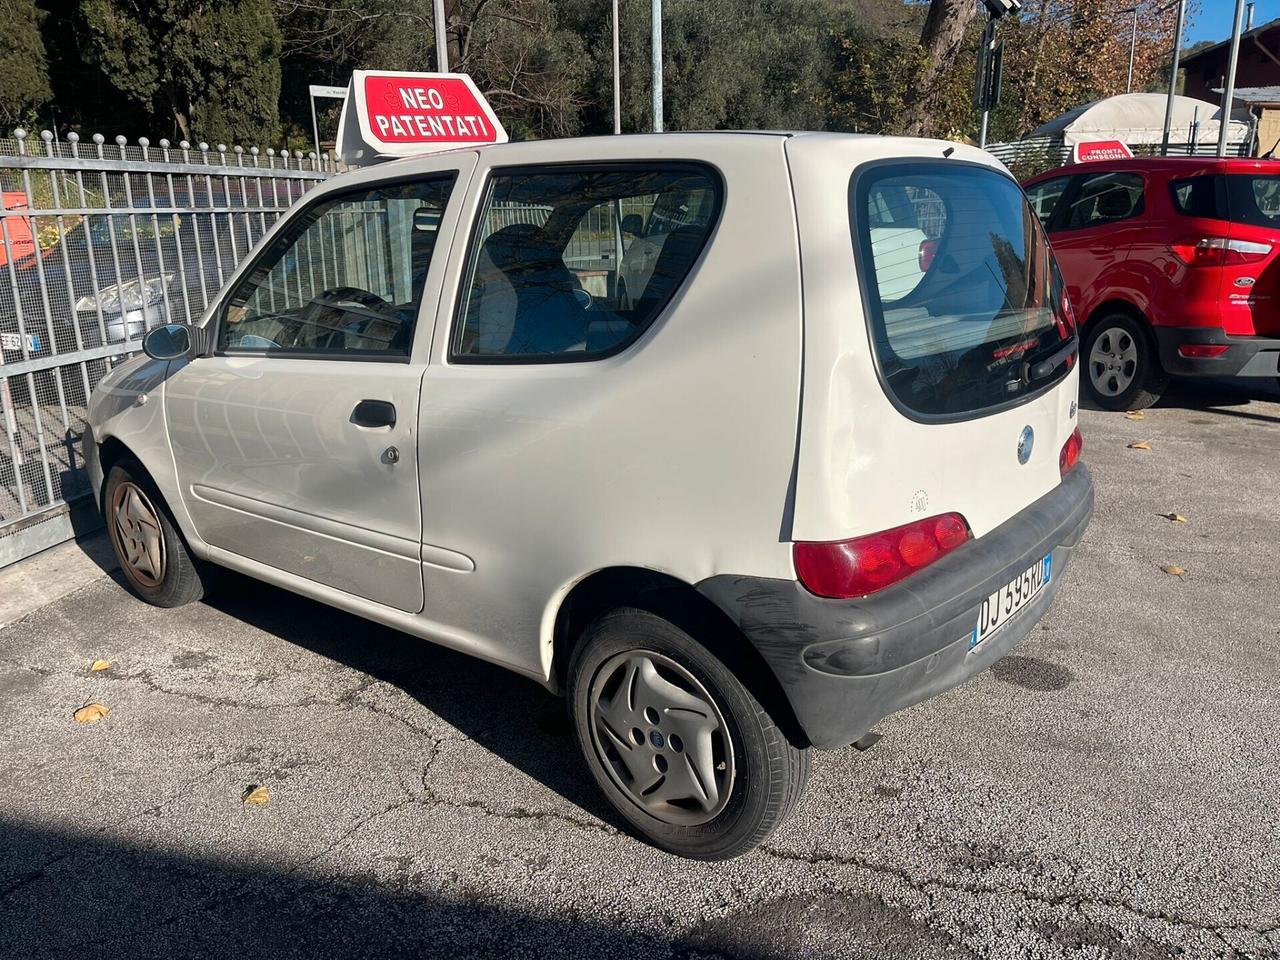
point(1218, 251)
point(854, 568)
point(1202, 351)
point(928, 248)
point(1071, 451)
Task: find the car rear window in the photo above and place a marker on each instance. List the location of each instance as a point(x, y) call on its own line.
point(1239, 197)
point(962, 292)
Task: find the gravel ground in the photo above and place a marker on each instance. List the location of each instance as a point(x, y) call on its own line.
point(1107, 791)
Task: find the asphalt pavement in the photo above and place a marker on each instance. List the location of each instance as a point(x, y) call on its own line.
point(1108, 790)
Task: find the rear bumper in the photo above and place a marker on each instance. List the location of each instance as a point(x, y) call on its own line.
point(846, 664)
point(1244, 356)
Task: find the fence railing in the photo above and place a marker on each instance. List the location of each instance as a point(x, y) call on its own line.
point(1034, 155)
point(99, 242)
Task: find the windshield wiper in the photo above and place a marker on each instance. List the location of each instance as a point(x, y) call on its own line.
point(1043, 369)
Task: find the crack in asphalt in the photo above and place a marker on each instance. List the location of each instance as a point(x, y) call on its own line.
point(923, 884)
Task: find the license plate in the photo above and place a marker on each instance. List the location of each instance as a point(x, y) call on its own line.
point(1001, 607)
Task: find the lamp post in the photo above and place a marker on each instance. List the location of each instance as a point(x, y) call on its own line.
point(617, 75)
point(656, 32)
point(1229, 90)
point(442, 41)
point(1173, 76)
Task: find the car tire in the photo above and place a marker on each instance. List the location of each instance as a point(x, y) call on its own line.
point(717, 774)
point(151, 552)
point(1122, 368)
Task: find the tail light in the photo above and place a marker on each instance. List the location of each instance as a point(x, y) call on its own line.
point(928, 249)
point(863, 565)
point(1202, 351)
point(1071, 451)
point(1218, 251)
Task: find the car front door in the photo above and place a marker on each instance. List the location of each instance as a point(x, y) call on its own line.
point(1091, 231)
point(296, 441)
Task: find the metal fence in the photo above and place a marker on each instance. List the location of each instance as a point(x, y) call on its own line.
point(99, 242)
point(1034, 155)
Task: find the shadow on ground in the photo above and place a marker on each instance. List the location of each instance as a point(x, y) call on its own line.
point(64, 895)
point(507, 714)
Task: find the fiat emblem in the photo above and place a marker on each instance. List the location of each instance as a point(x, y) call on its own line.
point(1025, 442)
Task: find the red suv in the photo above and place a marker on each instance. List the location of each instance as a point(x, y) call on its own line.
point(1171, 265)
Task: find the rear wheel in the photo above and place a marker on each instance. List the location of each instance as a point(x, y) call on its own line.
point(1122, 369)
point(148, 547)
point(677, 743)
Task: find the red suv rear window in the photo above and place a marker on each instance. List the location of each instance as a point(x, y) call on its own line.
point(1238, 197)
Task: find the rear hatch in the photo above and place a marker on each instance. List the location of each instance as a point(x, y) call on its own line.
point(1251, 275)
point(939, 357)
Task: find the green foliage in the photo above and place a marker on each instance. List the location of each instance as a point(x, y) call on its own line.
point(209, 67)
point(24, 71)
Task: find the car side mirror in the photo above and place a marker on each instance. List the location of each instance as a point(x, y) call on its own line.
point(633, 224)
point(169, 342)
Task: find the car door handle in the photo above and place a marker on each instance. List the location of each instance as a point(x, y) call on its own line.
point(374, 413)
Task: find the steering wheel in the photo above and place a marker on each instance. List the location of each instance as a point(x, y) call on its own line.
point(326, 313)
point(328, 299)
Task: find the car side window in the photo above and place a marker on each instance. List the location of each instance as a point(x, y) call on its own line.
point(344, 278)
point(1105, 198)
point(573, 263)
point(1044, 197)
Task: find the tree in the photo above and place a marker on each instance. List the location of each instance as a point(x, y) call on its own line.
point(942, 39)
point(210, 68)
point(1061, 54)
point(24, 69)
point(523, 58)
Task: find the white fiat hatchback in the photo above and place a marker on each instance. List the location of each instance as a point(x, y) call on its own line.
point(740, 441)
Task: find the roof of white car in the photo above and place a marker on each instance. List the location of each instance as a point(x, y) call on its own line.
point(675, 145)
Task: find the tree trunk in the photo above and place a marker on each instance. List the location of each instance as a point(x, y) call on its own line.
point(941, 38)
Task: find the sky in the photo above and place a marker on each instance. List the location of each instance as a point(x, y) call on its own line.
point(1213, 20)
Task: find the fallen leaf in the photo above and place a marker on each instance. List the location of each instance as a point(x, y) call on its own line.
point(1135, 415)
point(255, 795)
point(1140, 445)
point(90, 713)
point(99, 665)
point(1173, 570)
point(1175, 517)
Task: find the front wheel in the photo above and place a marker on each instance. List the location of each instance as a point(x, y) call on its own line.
point(147, 545)
point(675, 740)
point(1122, 368)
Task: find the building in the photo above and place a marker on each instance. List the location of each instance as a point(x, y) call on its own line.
point(1257, 78)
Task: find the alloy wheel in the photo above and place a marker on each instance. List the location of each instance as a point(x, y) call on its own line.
point(1113, 361)
point(661, 737)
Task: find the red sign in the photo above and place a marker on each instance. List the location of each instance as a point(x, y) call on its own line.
point(1100, 150)
point(413, 110)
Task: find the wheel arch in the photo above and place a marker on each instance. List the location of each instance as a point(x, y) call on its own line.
point(682, 604)
point(1115, 305)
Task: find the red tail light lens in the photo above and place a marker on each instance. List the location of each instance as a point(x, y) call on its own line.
point(1218, 251)
point(928, 249)
point(1202, 351)
point(1071, 451)
point(854, 568)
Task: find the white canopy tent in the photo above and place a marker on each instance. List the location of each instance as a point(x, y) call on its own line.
point(1139, 118)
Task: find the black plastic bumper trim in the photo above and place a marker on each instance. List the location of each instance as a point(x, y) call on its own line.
point(1245, 356)
point(846, 664)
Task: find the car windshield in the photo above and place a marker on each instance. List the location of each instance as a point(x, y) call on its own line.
point(962, 292)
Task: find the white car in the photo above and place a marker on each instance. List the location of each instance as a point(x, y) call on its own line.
point(799, 481)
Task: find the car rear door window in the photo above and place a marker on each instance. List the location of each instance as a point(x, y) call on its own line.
point(343, 278)
point(1105, 198)
point(574, 263)
point(1254, 199)
point(1044, 197)
point(960, 309)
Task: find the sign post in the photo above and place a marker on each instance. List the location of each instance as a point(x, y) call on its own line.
point(330, 93)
